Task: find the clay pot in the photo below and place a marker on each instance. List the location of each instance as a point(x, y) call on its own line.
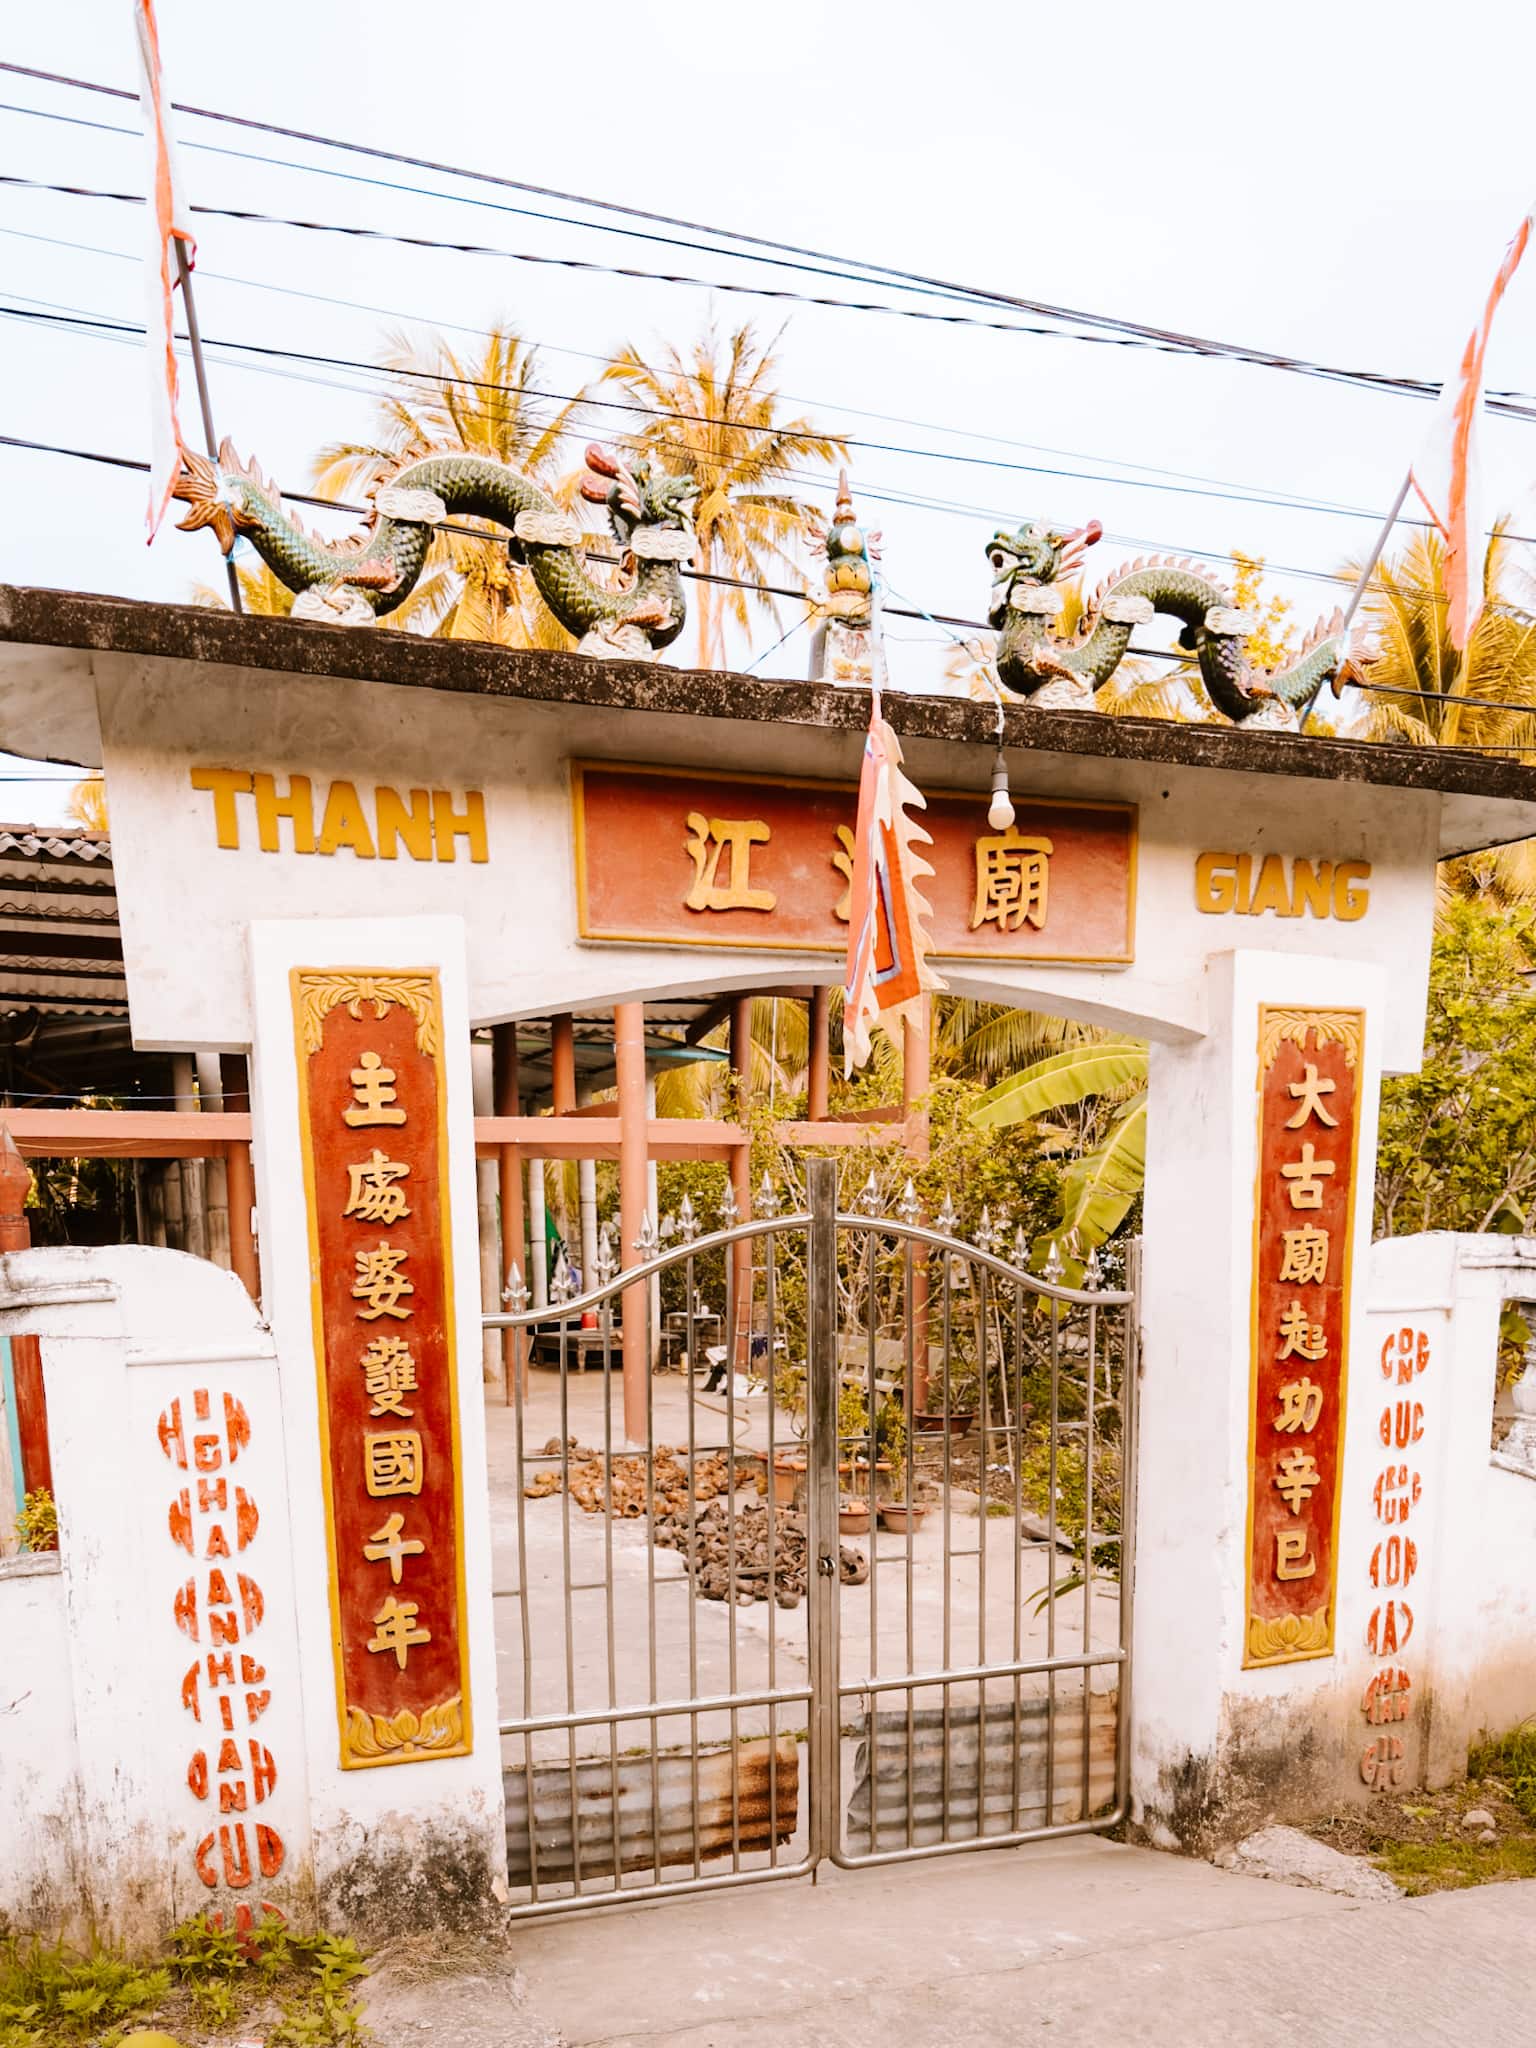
point(853, 1517)
point(959, 1422)
point(788, 1478)
point(896, 1515)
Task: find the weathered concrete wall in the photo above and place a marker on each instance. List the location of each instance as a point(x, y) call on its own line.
point(1473, 1595)
point(43, 1878)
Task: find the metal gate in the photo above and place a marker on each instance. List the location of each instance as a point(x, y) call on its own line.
point(717, 1676)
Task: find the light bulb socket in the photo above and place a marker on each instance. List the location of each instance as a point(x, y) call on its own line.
point(1000, 811)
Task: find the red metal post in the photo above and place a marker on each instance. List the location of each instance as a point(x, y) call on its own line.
point(916, 1080)
point(820, 1061)
point(26, 1354)
point(562, 1064)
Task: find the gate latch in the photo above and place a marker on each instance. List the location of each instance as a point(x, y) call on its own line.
point(826, 1564)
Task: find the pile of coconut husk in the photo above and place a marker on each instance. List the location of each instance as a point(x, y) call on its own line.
point(592, 1490)
point(743, 1569)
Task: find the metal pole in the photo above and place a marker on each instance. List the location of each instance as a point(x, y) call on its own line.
point(629, 1061)
point(1378, 548)
point(194, 337)
point(824, 1587)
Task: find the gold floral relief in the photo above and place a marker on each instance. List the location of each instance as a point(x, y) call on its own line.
point(1333, 1027)
point(1289, 1635)
point(377, 1738)
point(319, 993)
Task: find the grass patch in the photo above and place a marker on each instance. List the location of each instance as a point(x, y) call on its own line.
point(208, 1978)
point(1451, 1866)
point(1512, 1761)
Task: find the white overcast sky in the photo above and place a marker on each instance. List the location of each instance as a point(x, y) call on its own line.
point(1331, 181)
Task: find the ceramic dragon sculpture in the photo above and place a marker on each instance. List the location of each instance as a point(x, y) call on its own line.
point(359, 579)
point(1027, 567)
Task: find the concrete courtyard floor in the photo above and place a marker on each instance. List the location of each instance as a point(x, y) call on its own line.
point(1070, 1944)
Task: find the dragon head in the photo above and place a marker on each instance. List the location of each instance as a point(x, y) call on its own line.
point(637, 493)
point(230, 496)
point(1036, 554)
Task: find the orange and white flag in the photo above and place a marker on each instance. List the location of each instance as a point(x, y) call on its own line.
point(887, 975)
point(167, 219)
point(1448, 472)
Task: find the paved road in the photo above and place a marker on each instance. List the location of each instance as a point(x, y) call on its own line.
point(1074, 1942)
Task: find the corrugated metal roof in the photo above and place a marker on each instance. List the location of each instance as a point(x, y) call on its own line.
point(55, 842)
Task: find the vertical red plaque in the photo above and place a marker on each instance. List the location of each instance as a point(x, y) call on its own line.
point(1304, 1204)
point(372, 1102)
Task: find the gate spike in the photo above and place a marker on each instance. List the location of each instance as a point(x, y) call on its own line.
point(1093, 1278)
point(869, 1201)
point(687, 1222)
point(986, 1233)
point(946, 1221)
point(768, 1203)
point(1051, 1271)
point(909, 1208)
point(730, 1212)
point(647, 1243)
point(1021, 1249)
point(604, 1265)
point(560, 1288)
point(515, 1294)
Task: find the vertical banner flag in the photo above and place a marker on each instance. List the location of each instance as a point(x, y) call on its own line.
point(1448, 472)
point(168, 220)
point(888, 972)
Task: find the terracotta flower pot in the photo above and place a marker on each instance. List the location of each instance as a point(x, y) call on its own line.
point(897, 1516)
point(853, 1517)
point(959, 1422)
point(788, 1476)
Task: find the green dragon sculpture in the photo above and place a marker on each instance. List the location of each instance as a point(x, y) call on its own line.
point(362, 578)
point(1064, 673)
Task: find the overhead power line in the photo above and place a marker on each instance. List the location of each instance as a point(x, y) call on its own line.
point(1108, 326)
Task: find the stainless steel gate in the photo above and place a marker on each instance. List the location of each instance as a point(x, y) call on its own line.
point(711, 1681)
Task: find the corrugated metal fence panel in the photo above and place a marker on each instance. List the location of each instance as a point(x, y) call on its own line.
point(943, 1759)
point(745, 1771)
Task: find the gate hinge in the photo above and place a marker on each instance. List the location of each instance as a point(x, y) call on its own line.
point(826, 1564)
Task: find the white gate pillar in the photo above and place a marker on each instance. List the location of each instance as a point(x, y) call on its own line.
point(364, 1153)
point(1216, 1745)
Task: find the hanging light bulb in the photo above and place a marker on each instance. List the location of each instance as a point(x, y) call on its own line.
point(1000, 810)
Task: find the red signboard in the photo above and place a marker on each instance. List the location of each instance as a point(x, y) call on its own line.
point(1309, 1108)
point(685, 857)
point(372, 1107)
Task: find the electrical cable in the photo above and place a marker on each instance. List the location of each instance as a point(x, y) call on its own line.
point(1115, 335)
point(1190, 343)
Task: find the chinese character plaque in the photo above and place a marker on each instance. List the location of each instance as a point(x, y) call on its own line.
point(1309, 1107)
point(372, 1121)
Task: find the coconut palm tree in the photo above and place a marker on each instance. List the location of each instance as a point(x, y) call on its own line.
point(486, 402)
point(715, 412)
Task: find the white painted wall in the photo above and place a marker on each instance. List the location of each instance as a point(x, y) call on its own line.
point(519, 907)
point(1475, 1598)
point(126, 1331)
point(39, 1760)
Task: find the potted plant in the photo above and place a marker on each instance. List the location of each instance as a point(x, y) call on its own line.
point(853, 1516)
point(902, 1517)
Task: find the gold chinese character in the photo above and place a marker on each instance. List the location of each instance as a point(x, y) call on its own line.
point(708, 839)
point(397, 1630)
point(1301, 1403)
point(1305, 1256)
point(1298, 1479)
point(373, 1196)
point(1309, 1092)
point(393, 1464)
point(389, 1374)
point(1299, 1338)
point(842, 860)
point(380, 1281)
point(1012, 881)
point(389, 1543)
point(1306, 1176)
point(1292, 1558)
point(374, 1086)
